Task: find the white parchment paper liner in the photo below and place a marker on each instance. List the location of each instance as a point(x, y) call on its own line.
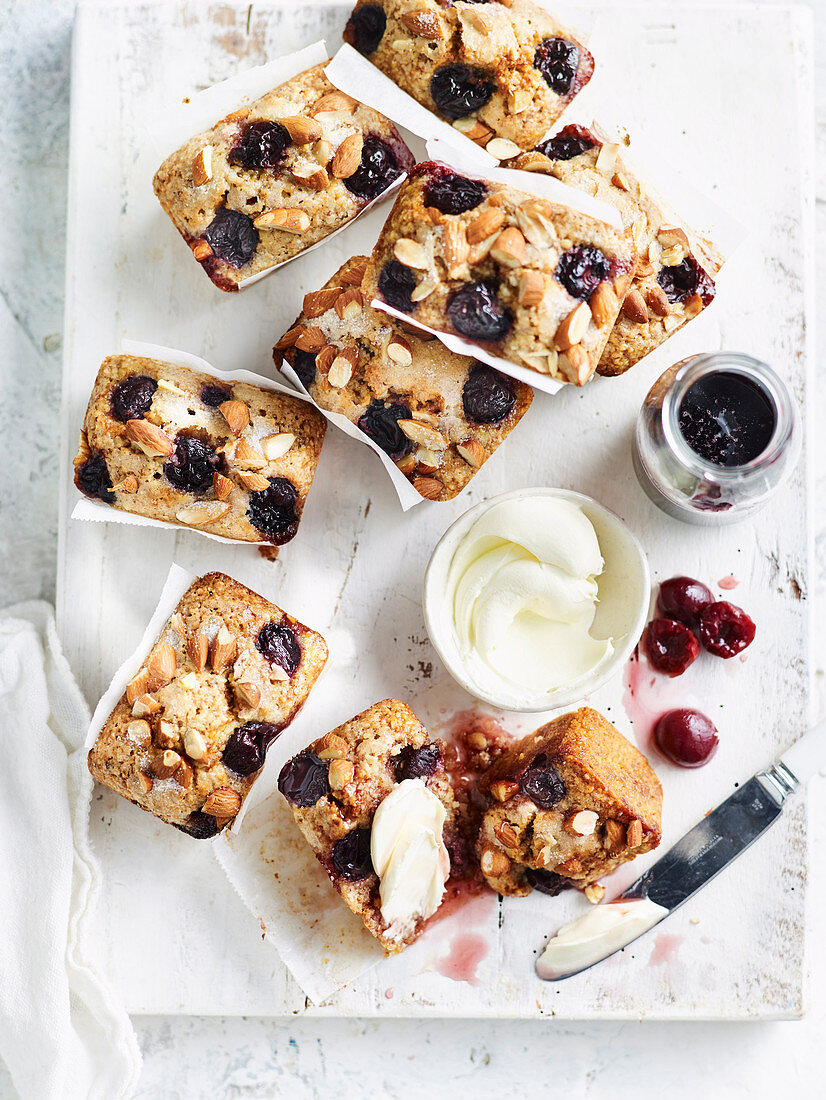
point(179, 121)
point(97, 511)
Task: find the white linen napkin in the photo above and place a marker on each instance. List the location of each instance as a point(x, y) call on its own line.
point(63, 1035)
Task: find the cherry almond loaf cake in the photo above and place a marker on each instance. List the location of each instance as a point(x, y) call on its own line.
point(227, 675)
point(501, 72)
point(175, 444)
point(567, 805)
point(437, 415)
point(674, 278)
point(526, 279)
point(273, 178)
point(374, 802)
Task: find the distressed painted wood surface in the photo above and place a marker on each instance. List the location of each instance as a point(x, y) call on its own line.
point(355, 569)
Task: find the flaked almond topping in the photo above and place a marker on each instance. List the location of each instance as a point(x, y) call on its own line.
point(643, 269)
point(138, 685)
point(202, 166)
point(573, 327)
point(248, 693)
point(222, 802)
point(128, 485)
point(464, 125)
point(692, 305)
point(236, 414)
point(506, 834)
point(144, 705)
point(255, 482)
point(323, 153)
point(427, 461)
point(424, 289)
point(354, 273)
point(604, 305)
point(607, 158)
point(176, 623)
point(536, 225)
point(575, 365)
point(671, 235)
point(184, 774)
point(334, 101)
point(313, 176)
point(424, 23)
point(519, 101)
point(503, 149)
point(485, 225)
point(406, 464)
point(571, 866)
point(340, 372)
point(164, 767)
point(399, 351)
point(84, 451)
point(621, 284)
point(657, 301)
point(223, 649)
point(428, 487)
point(310, 339)
point(302, 130)
point(671, 322)
point(199, 515)
point(289, 338)
point(594, 893)
point(423, 434)
point(331, 747)
point(151, 439)
point(350, 304)
point(509, 247)
point(410, 253)
point(503, 789)
point(288, 220)
point(237, 116)
point(145, 782)
point(531, 288)
point(545, 855)
point(614, 836)
point(201, 250)
point(533, 162)
point(347, 157)
point(170, 387)
point(163, 663)
point(166, 736)
point(319, 301)
point(194, 745)
point(276, 446)
point(197, 649)
point(248, 457)
point(669, 257)
point(581, 823)
point(494, 862)
point(634, 833)
point(619, 179)
point(221, 486)
point(189, 681)
point(634, 307)
point(324, 358)
point(472, 452)
point(278, 673)
point(454, 247)
point(339, 774)
point(139, 731)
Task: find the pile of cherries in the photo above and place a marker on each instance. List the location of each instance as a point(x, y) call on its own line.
point(688, 617)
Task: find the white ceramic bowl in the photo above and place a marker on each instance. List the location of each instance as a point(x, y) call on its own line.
point(624, 596)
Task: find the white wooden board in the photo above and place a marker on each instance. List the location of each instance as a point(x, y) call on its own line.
point(691, 85)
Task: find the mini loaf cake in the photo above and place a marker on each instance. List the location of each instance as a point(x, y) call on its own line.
point(273, 178)
point(567, 805)
point(527, 279)
point(374, 802)
point(228, 673)
point(178, 445)
point(674, 278)
point(501, 72)
point(439, 416)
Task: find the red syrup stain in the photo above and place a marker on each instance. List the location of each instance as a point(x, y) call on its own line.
point(665, 947)
point(462, 960)
point(728, 583)
point(647, 697)
point(388, 994)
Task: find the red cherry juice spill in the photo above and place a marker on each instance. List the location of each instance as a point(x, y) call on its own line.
point(461, 963)
point(647, 697)
point(728, 583)
point(665, 948)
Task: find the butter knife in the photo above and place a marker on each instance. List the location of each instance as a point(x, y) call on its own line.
point(693, 861)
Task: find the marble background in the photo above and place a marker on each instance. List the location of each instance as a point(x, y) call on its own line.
point(251, 1058)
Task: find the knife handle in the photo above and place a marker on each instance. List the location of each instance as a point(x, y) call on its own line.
point(807, 756)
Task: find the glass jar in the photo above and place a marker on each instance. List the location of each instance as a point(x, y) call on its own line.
point(688, 486)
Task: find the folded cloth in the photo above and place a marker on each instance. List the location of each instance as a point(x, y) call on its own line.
point(63, 1034)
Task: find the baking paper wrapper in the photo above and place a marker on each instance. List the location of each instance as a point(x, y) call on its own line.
point(97, 511)
point(174, 126)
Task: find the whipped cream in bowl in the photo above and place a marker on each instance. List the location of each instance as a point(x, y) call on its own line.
point(534, 599)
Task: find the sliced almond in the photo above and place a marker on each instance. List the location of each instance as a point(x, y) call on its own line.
point(634, 834)
point(536, 225)
point(354, 273)
point(671, 235)
point(472, 452)
point(311, 175)
point(594, 893)
point(195, 746)
point(575, 365)
point(276, 446)
point(479, 133)
point(190, 681)
point(128, 485)
point(506, 834)
point(493, 862)
point(350, 304)
point(615, 836)
point(223, 649)
point(503, 789)
point(621, 284)
point(333, 102)
point(509, 247)
point(302, 130)
point(428, 487)
point(166, 735)
point(164, 767)
point(572, 866)
point(340, 372)
point(411, 253)
point(248, 457)
point(657, 301)
point(287, 219)
point(423, 22)
point(236, 414)
point(623, 182)
point(607, 158)
point(502, 149)
point(604, 305)
point(347, 157)
point(331, 747)
point(145, 782)
point(545, 855)
point(423, 434)
point(427, 461)
point(222, 802)
point(454, 247)
point(519, 101)
point(671, 322)
point(310, 339)
point(399, 351)
point(424, 289)
point(533, 162)
point(201, 250)
point(573, 327)
point(319, 301)
point(199, 515)
point(221, 486)
point(289, 338)
point(278, 673)
point(672, 256)
point(406, 464)
point(324, 358)
point(248, 693)
point(139, 731)
point(197, 649)
point(176, 623)
point(170, 387)
point(252, 480)
point(484, 225)
point(339, 774)
point(634, 307)
point(144, 705)
point(582, 823)
point(323, 152)
point(692, 306)
point(531, 288)
point(202, 166)
point(138, 685)
point(237, 116)
point(184, 774)
point(162, 664)
point(151, 439)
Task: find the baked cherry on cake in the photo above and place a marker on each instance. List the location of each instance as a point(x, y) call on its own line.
point(271, 179)
point(532, 281)
point(501, 72)
point(566, 805)
point(189, 736)
point(373, 800)
point(437, 415)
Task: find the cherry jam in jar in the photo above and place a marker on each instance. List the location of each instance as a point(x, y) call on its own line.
point(716, 435)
